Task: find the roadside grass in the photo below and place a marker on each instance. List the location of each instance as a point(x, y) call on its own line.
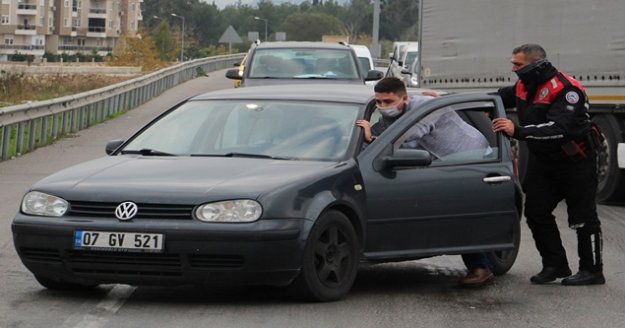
point(16, 88)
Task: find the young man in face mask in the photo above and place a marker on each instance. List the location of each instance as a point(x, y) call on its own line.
point(552, 108)
point(440, 135)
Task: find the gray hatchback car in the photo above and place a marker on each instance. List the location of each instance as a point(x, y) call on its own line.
point(271, 185)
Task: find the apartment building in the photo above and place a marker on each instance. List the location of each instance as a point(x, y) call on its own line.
point(32, 27)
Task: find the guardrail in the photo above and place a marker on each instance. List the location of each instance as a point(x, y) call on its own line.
point(28, 126)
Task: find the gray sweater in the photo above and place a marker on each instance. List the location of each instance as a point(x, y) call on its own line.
point(441, 133)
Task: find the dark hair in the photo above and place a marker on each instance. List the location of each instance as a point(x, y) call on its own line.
point(391, 84)
point(531, 51)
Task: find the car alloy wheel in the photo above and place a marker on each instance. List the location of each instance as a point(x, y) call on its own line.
point(330, 260)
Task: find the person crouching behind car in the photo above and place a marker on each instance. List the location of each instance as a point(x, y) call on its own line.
point(450, 135)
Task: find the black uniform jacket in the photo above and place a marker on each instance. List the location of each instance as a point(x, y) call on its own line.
point(552, 112)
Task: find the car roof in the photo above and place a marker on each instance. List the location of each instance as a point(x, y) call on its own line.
point(361, 50)
point(351, 93)
point(301, 44)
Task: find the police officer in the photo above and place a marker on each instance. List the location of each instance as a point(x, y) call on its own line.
point(554, 122)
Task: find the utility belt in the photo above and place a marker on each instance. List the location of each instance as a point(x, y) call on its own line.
point(576, 150)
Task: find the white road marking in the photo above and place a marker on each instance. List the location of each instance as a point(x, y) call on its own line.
point(100, 314)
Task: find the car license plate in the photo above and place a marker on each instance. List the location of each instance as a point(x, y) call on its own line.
point(118, 241)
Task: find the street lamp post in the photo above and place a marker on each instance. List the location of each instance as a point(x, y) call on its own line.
point(264, 20)
point(182, 42)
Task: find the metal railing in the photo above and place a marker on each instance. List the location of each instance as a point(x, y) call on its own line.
point(22, 46)
point(28, 126)
point(85, 48)
point(26, 27)
point(27, 6)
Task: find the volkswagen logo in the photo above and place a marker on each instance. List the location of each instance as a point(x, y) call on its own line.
point(126, 211)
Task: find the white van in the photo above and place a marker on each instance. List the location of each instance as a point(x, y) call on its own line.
point(402, 57)
point(365, 60)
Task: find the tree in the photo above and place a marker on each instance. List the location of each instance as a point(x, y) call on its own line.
point(203, 24)
point(137, 51)
point(311, 27)
point(357, 16)
point(164, 43)
point(397, 19)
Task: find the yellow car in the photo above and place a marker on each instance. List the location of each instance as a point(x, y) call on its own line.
point(237, 83)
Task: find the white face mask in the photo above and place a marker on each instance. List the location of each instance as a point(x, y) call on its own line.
point(389, 111)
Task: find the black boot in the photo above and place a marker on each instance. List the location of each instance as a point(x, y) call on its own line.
point(549, 274)
point(583, 278)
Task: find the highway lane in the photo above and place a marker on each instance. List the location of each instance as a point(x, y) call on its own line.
point(410, 294)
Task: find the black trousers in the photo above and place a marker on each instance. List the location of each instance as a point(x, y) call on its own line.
point(546, 184)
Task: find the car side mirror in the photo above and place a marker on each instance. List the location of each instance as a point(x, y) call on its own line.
point(408, 158)
point(233, 74)
point(374, 75)
point(112, 145)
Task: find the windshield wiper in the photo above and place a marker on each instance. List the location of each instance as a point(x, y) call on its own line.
point(237, 154)
point(314, 76)
point(147, 152)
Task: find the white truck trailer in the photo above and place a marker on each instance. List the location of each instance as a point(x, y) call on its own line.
point(466, 46)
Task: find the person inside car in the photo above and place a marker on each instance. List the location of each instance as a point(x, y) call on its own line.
point(444, 134)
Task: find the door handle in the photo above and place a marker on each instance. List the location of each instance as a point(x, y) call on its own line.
point(497, 179)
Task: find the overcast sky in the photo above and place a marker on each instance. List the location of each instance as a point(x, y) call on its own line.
point(223, 3)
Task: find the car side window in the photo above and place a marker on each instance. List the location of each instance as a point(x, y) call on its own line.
point(457, 134)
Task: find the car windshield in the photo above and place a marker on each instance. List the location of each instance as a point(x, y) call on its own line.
point(300, 63)
point(410, 57)
point(298, 130)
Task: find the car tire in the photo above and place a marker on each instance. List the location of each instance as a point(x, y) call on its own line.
point(61, 285)
point(502, 261)
point(330, 260)
point(611, 180)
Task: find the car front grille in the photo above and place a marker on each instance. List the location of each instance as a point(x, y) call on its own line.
point(212, 262)
point(145, 211)
point(133, 264)
point(41, 255)
point(139, 264)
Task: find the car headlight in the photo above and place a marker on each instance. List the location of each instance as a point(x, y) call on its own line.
point(241, 210)
point(38, 203)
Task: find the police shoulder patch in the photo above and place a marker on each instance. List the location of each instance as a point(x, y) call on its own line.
point(543, 93)
point(572, 97)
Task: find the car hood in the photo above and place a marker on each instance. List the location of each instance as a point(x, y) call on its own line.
point(180, 180)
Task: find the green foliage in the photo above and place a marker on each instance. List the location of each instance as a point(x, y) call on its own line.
point(199, 71)
point(205, 22)
point(82, 57)
point(11, 85)
point(164, 42)
point(399, 19)
point(311, 27)
point(16, 88)
point(18, 56)
point(135, 51)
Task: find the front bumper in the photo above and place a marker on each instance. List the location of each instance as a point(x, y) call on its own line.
point(262, 252)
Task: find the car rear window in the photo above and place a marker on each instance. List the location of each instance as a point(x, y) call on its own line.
point(303, 63)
